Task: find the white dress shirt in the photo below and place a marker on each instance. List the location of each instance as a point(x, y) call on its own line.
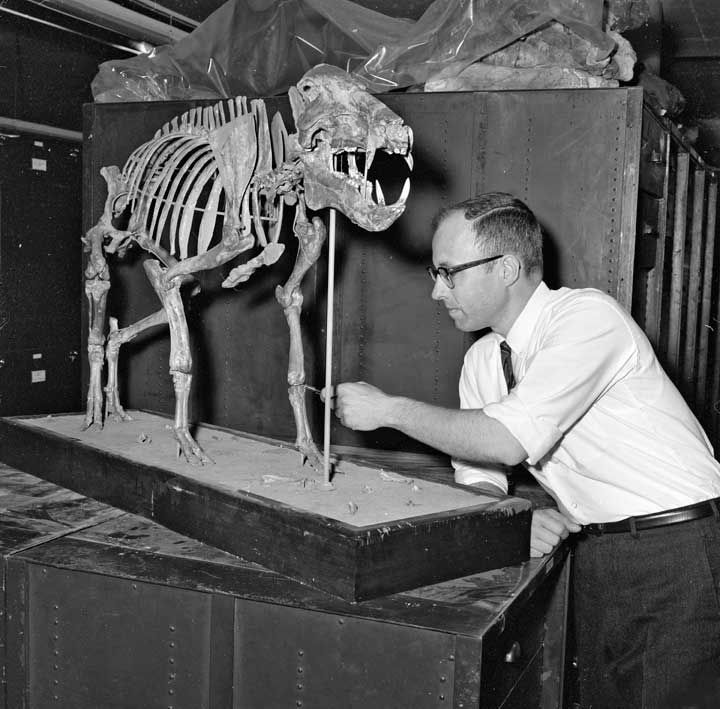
point(607, 433)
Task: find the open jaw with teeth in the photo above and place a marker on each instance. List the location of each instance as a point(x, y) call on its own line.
point(341, 129)
point(341, 179)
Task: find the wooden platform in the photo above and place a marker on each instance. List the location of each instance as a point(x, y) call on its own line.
point(417, 533)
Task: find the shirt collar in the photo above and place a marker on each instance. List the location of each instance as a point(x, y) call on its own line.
point(524, 324)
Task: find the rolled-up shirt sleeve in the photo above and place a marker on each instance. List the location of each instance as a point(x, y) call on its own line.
point(584, 349)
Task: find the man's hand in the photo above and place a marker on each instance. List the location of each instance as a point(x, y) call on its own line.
point(360, 406)
point(548, 528)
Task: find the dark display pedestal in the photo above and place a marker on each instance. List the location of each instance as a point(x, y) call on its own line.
point(431, 533)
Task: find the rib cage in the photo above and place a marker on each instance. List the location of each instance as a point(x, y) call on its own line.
point(181, 194)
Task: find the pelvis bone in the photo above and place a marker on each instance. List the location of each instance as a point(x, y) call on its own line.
point(214, 183)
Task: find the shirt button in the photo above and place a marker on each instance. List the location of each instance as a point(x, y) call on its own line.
point(574, 505)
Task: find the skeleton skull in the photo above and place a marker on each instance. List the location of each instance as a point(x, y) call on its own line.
point(334, 114)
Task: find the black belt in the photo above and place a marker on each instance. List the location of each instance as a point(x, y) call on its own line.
point(657, 519)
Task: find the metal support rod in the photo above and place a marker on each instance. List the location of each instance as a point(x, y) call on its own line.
point(693, 293)
point(714, 403)
point(328, 345)
point(656, 276)
point(16, 125)
point(678, 253)
point(113, 16)
point(706, 326)
point(715, 397)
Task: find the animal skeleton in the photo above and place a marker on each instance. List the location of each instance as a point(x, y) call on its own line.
point(225, 166)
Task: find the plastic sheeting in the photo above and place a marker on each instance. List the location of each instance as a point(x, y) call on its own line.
point(262, 47)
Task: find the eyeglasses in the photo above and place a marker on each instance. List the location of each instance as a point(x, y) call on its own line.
point(446, 272)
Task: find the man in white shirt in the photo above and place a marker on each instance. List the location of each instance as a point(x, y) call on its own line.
point(580, 399)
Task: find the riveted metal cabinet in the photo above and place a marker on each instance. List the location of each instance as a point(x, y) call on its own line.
point(105, 610)
point(40, 275)
point(93, 639)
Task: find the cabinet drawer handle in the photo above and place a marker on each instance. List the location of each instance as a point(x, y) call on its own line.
point(514, 653)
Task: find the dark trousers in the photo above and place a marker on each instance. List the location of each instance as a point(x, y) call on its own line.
point(647, 617)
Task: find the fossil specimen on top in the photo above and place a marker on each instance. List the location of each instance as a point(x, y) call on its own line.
point(214, 183)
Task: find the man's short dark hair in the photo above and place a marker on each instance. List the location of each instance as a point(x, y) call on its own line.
point(502, 224)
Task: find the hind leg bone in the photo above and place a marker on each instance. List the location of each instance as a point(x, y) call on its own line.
point(180, 361)
point(116, 338)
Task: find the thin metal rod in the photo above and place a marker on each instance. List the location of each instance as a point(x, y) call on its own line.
point(113, 16)
point(62, 28)
point(328, 344)
point(706, 327)
point(678, 253)
point(170, 15)
point(15, 124)
point(715, 395)
point(653, 319)
point(715, 379)
point(694, 280)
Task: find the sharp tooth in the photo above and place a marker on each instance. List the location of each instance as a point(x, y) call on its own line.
point(352, 163)
point(409, 160)
point(379, 194)
point(405, 192)
point(367, 167)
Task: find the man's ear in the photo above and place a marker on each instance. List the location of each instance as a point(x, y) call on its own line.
point(511, 268)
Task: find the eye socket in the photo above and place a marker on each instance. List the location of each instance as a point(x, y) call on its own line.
point(319, 136)
point(310, 92)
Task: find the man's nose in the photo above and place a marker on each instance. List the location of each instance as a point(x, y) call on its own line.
point(440, 290)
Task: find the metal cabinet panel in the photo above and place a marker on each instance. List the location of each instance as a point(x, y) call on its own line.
point(572, 156)
point(97, 641)
point(289, 657)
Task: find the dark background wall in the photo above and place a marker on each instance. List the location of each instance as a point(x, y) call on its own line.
point(45, 76)
point(45, 72)
point(688, 48)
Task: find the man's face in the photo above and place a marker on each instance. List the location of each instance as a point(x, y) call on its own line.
point(478, 297)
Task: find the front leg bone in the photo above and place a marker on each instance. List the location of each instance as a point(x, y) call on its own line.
point(311, 237)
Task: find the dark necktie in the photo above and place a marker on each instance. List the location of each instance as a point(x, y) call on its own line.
point(506, 357)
